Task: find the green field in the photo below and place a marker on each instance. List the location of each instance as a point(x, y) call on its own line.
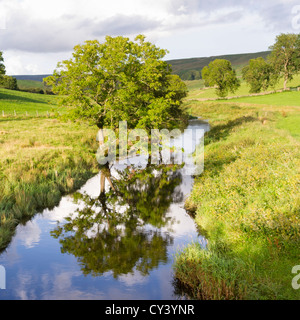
point(197, 90)
point(30, 84)
point(290, 123)
point(19, 102)
point(276, 99)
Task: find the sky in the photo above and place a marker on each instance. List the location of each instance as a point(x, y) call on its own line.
point(36, 34)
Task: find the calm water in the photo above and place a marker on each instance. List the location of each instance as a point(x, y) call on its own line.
point(113, 239)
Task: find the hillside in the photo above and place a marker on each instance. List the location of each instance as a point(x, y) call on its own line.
point(38, 77)
point(179, 66)
point(182, 66)
point(17, 103)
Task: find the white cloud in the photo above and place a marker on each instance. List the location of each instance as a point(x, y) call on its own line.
point(16, 66)
point(29, 234)
point(47, 30)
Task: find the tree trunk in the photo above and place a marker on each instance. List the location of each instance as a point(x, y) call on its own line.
point(100, 137)
point(285, 74)
point(285, 83)
point(102, 183)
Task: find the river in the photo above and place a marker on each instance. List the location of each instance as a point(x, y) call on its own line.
point(114, 239)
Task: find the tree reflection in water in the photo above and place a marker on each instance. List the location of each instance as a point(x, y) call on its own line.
point(119, 231)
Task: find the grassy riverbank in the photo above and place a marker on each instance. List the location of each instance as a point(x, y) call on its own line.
point(41, 158)
point(246, 203)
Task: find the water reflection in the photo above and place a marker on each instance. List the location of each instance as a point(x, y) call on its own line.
point(119, 231)
point(126, 222)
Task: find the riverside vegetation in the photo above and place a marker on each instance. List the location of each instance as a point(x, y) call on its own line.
point(247, 201)
point(41, 157)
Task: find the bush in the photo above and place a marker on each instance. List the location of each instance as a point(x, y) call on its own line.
point(8, 82)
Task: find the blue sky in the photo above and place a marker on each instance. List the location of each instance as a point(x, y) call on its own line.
point(36, 34)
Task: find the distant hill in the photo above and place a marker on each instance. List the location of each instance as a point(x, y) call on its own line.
point(183, 67)
point(39, 77)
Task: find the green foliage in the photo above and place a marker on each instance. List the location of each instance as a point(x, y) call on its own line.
point(206, 76)
point(220, 73)
point(119, 80)
point(285, 56)
point(205, 275)
point(8, 82)
point(258, 74)
point(191, 75)
point(120, 244)
point(2, 67)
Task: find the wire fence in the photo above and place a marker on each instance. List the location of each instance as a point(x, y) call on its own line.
point(17, 114)
point(245, 96)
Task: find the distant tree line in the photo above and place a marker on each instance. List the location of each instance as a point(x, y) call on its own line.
point(260, 74)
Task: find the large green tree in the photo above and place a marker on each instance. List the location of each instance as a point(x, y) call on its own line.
point(120, 80)
point(258, 74)
point(285, 56)
point(220, 73)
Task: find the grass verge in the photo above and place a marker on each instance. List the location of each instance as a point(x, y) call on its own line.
point(246, 203)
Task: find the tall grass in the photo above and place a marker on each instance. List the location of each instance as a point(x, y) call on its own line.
point(41, 159)
point(247, 204)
